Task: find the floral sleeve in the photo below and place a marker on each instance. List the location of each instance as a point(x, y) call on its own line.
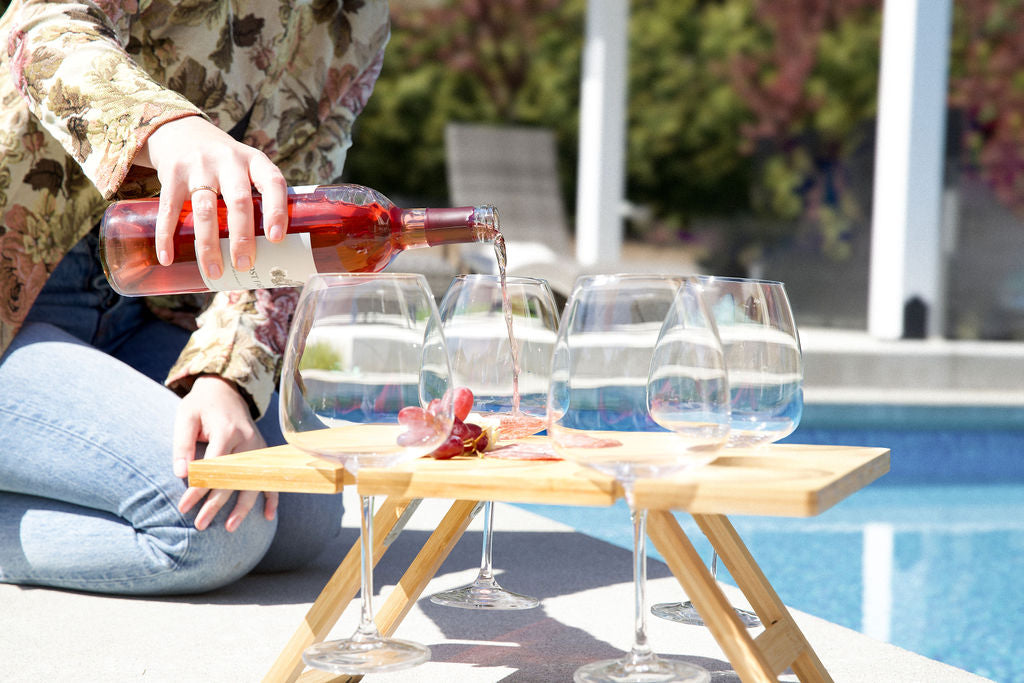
point(101, 76)
point(241, 336)
point(68, 62)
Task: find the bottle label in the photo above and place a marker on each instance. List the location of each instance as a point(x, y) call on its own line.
point(288, 263)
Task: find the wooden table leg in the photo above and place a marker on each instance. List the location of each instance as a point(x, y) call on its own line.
point(782, 641)
point(339, 591)
point(687, 566)
point(425, 566)
point(399, 602)
point(780, 646)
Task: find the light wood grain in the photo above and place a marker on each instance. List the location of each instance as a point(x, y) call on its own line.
point(778, 480)
point(279, 468)
point(748, 660)
point(782, 643)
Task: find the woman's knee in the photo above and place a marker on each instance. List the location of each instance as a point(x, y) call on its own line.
point(216, 557)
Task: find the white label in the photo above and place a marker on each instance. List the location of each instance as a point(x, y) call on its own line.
point(288, 263)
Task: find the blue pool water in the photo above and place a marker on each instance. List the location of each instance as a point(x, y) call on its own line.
point(930, 557)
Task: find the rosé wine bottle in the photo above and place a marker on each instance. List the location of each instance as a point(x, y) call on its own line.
point(331, 229)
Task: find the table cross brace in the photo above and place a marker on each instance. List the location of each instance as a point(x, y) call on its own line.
point(755, 660)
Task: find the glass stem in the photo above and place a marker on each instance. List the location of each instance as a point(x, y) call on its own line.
point(486, 571)
point(714, 564)
point(367, 626)
point(641, 652)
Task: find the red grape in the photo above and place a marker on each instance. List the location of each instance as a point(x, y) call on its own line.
point(463, 402)
point(421, 424)
point(449, 449)
point(414, 415)
point(460, 429)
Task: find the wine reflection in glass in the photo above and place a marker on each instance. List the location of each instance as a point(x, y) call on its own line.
point(365, 356)
point(500, 345)
point(638, 390)
point(762, 353)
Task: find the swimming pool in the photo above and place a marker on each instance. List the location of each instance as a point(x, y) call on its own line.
point(930, 557)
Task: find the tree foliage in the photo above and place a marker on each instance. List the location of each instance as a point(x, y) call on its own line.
point(987, 86)
point(734, 106)
point(515, 61)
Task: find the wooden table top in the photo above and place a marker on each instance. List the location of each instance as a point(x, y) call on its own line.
point(784, 480)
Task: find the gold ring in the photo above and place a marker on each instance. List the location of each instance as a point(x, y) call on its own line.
point(203, 187)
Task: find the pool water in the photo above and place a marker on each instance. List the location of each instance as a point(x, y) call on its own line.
point(930, 557)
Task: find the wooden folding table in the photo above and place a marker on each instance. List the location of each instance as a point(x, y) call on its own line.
point(778, 480)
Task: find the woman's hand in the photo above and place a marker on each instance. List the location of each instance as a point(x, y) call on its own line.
point(214, 412)
point(195, 160)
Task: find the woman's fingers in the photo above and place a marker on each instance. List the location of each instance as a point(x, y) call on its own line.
point(214, 411)
point(171, 199)
point(236, 188)
point(215, 500)
point(187, 428)
point(218, 498)
point(236, 178)
point(267, 178)
point(189, 499)
point(207, 229)
point(243, 505)
point(270, 506)
point(198, 162)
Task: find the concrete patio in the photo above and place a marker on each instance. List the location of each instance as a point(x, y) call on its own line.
point(235, 634)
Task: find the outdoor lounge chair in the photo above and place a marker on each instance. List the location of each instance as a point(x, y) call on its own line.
point(515, 168)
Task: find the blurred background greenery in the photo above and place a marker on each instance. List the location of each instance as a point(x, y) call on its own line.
point(750, 132)
point(737, 109)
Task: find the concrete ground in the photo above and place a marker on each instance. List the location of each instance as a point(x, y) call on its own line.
point(234, 634)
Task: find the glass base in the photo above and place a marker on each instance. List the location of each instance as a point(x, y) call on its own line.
point(652, 670)
point(686, 613)
point(483, 594)
point(366, 656)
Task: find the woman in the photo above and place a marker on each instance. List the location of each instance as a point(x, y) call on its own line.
point(105, 399)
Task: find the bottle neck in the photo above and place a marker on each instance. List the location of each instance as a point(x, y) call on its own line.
point(433, 227)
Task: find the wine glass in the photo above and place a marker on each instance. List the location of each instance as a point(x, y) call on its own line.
point(500, 345)
point(762, 352)
point(366, 381)
point(638, 390)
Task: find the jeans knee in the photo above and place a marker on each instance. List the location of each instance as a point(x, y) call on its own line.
point(217, 557)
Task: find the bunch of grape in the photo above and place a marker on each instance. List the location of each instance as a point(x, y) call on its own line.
point(422, 423)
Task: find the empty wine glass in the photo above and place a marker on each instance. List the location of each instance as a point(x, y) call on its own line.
point(638, 390)
point(365, 360)
point(500, 346)
point(762, 352)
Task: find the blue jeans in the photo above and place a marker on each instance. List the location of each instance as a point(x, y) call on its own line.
point(87, 497)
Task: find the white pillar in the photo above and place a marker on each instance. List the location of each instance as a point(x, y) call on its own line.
point(906, 235)
point(600, 183)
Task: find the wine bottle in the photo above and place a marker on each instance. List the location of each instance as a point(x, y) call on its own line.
point(331, 228)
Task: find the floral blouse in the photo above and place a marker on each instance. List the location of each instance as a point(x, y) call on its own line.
point(83, 84)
